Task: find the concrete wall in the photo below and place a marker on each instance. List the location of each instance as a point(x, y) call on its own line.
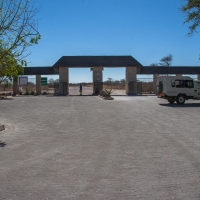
point(97, 79)
point(63, 80)
point(15, 87)
point(154, 82)
point(131, 80)
point(38, 84)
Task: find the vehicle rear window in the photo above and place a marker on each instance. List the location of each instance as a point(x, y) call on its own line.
point(189, 84)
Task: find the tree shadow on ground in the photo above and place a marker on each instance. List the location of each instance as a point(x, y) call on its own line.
point(86, 95)
point(173, 105)
point(2, 144)
point(129, 95)
point(69, 95)
point(8, 98)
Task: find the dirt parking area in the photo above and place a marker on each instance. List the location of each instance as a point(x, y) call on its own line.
point(84, 147)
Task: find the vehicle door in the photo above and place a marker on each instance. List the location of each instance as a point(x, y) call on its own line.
point(189, 88)
point(197, 89)
point(180, 86)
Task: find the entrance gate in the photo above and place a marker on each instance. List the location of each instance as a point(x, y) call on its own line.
point(96, 63)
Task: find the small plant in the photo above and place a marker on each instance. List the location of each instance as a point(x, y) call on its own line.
point(106, 92)
point(27, 92)
point(32, 93)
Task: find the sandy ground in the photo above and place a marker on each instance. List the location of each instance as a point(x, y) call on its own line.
point(84, 147)
point(74, 90)
point(89, 91)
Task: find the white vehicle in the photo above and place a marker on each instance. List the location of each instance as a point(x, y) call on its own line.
point(177, 88)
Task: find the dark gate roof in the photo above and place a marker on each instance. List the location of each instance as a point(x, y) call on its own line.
point(40, 70)
point(92, 61)
point(169, 70)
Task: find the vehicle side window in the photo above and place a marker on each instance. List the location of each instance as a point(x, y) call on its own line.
point(180, 83)
point(173, 83)
point(198, 84)
point(189, 84)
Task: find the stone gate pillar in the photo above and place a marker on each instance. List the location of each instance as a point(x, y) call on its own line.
point(63, 80)
point(131, 80)
point(38, 84)
point(97, 79)
point(155, 82)
point(15, 87)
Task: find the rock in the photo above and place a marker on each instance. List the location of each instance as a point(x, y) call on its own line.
point(2, 127)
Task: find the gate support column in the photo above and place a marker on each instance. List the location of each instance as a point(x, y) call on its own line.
point(131, 80)
point(154, 82)
point(97, 79)
point(198, 76)
point(63, 81)
point(38, 84)
point(15, 87)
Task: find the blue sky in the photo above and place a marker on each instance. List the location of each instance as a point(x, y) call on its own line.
point(145, 29)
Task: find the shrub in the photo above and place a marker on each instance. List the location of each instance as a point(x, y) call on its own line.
point(32, 92)
point(106, 92)
point(26, 93)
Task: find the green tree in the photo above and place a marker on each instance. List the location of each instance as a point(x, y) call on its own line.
point(18, 31)
point(9, 67)
point(192, 11)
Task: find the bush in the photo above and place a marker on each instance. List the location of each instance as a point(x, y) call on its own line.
point(27, 92)
point(106, 92)
point(32, 92)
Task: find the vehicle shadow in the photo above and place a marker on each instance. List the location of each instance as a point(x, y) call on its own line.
point(186, 105)
point(2, 144)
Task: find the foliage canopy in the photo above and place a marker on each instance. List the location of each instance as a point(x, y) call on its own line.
point(166, 61)
point(192, 11)
point(18, 31)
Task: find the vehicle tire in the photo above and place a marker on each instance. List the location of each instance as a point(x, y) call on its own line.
point(171, 101)
point(180, 99)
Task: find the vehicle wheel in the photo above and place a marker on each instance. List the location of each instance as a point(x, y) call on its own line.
point(180, 99)
point(171, 101)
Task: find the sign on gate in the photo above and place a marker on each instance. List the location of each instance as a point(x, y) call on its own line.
point(43, 80)
point(23, 80)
